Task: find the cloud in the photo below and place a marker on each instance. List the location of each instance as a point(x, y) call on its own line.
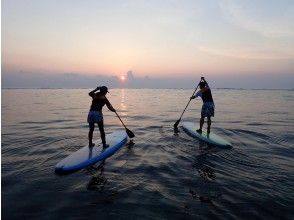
point(272, 19)
point(260, 53)
point(26, 79)
point(23, 79)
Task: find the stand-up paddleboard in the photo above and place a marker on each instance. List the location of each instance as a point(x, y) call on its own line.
point(213, 139)
point(88, 156)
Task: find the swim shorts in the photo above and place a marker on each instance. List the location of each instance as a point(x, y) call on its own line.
point(207, 109)
point(95, 117)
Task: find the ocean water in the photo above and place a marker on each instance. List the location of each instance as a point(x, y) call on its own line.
point(161, 175)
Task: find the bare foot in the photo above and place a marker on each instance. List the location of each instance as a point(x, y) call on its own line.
point(105, 146)
point(91, 145)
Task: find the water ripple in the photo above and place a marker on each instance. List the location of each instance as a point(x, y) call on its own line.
point(162, 175)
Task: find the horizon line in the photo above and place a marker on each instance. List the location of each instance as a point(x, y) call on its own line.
point(220, 88)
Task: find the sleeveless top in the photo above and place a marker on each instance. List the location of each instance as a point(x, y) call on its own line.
point(206, 96)
point(98, 101)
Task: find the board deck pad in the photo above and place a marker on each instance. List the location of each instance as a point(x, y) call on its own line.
point(213, 139)
point(87, 156)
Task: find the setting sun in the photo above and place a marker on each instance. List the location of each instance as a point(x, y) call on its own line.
point(123, 78)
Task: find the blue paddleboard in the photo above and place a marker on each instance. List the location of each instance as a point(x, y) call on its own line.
point(213, 139)
point(88, 156)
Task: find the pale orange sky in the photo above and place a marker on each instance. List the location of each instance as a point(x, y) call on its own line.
point(149, 37)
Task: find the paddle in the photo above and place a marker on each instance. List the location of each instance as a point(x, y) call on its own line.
point(178, 121)
point(129, 132)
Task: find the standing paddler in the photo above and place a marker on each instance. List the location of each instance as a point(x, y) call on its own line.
point(208, 104)
point(95, 114)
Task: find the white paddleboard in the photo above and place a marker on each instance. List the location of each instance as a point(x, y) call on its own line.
point(88, 156)
point(213, 139)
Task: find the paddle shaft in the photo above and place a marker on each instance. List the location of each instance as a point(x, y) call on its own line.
point(188, 103)
point(129, 132)
point(120, 120)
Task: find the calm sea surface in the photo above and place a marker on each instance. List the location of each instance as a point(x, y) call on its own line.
point(161, 176)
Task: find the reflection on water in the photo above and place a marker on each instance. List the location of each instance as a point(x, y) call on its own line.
point(98, 179)
point(206, 189)
point(164, 175)
point(123, 107)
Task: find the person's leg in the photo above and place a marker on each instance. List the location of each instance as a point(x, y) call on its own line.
point(208, 124)
point(102, 133)
point(201, 124)
point(90, 135)
point(210, 114)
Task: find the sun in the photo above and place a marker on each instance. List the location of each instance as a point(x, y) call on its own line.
point(123, 78)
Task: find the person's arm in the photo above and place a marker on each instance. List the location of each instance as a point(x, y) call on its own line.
point(92, 93)
point(206, 85)
point(199, 93)
point(109, 106)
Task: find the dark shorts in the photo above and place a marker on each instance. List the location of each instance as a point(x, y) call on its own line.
point(95, 117)
point(207, 109)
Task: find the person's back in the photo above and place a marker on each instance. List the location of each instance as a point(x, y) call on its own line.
point(98, 101)
point(207, 96)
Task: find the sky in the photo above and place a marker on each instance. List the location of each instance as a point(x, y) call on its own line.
point(233, 42)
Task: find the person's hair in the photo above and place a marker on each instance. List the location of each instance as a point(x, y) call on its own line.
point(202, 85)
point(103, 89)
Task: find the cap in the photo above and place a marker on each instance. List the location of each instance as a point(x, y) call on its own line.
point(103, 89)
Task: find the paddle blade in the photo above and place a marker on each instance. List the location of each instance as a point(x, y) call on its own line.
point(130, 133)
point(176, 131)
point(176, 124)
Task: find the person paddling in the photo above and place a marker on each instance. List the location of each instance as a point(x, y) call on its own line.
point(208, 104)
point(95, 114)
